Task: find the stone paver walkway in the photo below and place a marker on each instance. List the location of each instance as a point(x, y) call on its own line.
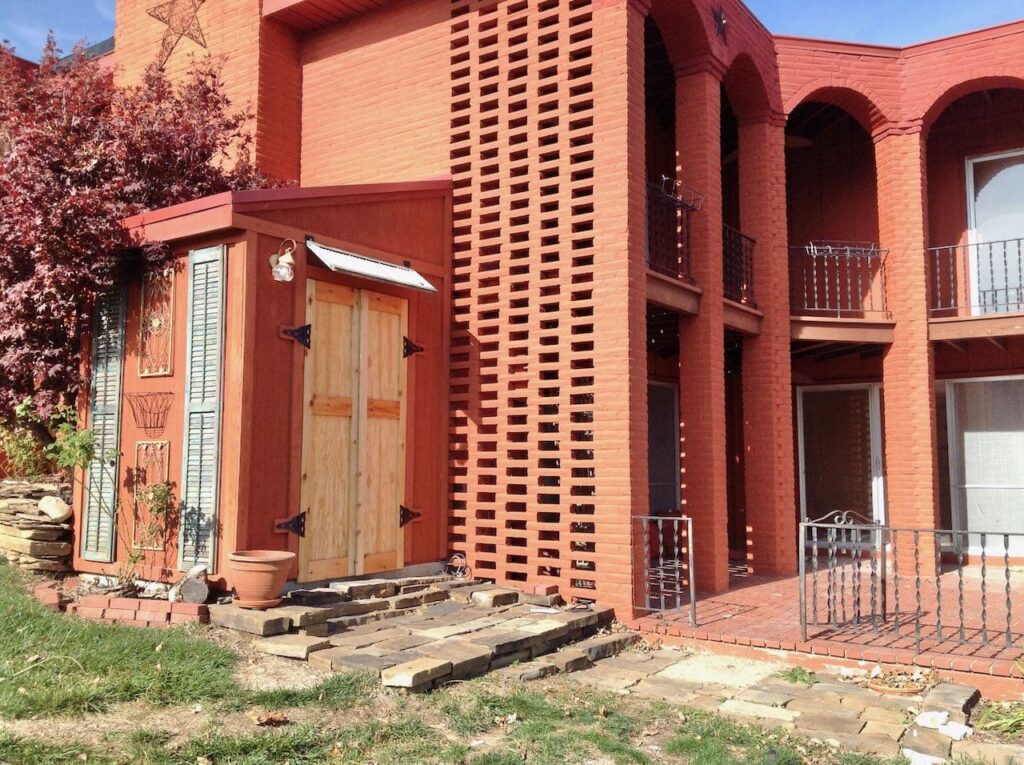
point(843, 714)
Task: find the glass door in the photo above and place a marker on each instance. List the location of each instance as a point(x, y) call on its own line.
point(996, 221)
point(985, 422)
point(663, 467)
point(840, 451)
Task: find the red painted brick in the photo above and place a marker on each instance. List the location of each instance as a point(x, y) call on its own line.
point(119, 613)
point(194, 609)
point(150, 607)
point(125, 604)
point(94, 601)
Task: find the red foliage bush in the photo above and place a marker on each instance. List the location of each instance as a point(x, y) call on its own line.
point(78, 154)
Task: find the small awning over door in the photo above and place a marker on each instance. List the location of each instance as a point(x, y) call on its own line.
point(368, 268)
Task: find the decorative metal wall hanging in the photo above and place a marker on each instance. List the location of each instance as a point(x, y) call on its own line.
point(150, 411)
point(151, 468)
point(721, 23)
point(182, 20)
point(156, 325)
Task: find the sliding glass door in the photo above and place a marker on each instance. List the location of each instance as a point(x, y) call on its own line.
point(985, 422)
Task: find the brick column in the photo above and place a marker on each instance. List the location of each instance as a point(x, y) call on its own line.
point(767, 373)
point(619, 302)
point(701, 338)
point(908, 369)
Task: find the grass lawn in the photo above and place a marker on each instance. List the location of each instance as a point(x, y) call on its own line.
point(78, 691)
point(55, 664)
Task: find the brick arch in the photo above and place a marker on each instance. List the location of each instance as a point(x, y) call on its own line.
point(855, 99)
point(746, 87)
point(943, 98)
point(687, 31)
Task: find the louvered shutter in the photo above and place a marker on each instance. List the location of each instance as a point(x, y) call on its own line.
point(98, 527)
point(201, 452)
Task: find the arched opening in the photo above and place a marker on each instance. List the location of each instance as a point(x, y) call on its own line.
point(975, 171)
point(831, 185)
point(660, 105)
point(974, 157)
point(836, 272)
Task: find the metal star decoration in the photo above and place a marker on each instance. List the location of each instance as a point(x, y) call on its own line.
point(720, 21)
point(182, 20)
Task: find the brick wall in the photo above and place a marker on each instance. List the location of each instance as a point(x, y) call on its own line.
point(375, 94)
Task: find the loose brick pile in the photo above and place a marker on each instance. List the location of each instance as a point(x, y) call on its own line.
point(419, 632)
point(30, 538)
point(138, 612)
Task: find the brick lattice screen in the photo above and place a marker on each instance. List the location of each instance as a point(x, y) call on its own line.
point(521, 400)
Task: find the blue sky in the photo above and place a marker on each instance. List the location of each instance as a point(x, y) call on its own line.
point(892, 22)
point(24, 23)
point(886, 22)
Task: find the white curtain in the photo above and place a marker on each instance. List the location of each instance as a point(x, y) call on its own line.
point(988, 476)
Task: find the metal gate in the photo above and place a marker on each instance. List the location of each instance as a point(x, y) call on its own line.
point(665, 547)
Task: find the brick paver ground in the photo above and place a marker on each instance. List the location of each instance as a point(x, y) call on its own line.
point(765, 613)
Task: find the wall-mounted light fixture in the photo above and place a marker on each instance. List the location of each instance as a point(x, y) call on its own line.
point(282, 264)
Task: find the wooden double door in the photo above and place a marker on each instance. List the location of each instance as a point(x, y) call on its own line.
point(353, 442)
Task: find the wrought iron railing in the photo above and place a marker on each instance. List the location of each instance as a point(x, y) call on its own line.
point(842, 280)
point(738, 266)
point(669, 206)
point(934, 587)
point(977, 279)
point(665, 544)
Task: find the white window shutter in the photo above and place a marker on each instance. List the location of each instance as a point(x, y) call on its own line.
point(101, 475)
point(201, 450)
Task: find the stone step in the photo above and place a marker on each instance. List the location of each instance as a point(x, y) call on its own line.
point(291, 646)
point(419, 652)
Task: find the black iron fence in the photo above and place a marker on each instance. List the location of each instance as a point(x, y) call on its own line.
point(977, 279)
point(665, 544)
point(669, 206)
point(837, 279)
point(738, 266)
point(934, 587)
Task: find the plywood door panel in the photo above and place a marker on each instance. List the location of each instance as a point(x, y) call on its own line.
point(330, 433)
point(381, 460)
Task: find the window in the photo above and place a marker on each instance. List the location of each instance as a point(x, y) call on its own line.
point(995, 210)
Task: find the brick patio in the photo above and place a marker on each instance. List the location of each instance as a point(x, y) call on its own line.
point(764, 612)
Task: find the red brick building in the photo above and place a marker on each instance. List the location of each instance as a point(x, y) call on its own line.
point(681, 265)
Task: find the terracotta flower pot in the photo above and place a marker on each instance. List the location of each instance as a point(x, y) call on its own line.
point(259, 576)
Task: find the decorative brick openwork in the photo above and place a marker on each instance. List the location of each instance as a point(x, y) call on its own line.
point(522, 387)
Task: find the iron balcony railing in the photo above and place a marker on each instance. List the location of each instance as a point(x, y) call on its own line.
point(665, 544)
point(934, 587)
point(669, 206)
point(841, 280)
point(977, 279)
point(738, 266)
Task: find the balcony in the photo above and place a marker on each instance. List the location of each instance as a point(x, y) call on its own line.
point(837, 292)
point(738, 267)
point(669, 279)
point(975, 289)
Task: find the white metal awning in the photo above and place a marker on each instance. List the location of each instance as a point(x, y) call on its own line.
point(368, 268)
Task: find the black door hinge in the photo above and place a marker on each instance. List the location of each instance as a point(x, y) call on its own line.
point(294, 525)
point(303, 334)
point(409, 348)
point(405, 515)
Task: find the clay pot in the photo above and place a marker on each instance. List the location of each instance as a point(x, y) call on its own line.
point(259, 576)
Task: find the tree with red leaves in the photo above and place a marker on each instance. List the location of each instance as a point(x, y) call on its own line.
point(78, 154)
